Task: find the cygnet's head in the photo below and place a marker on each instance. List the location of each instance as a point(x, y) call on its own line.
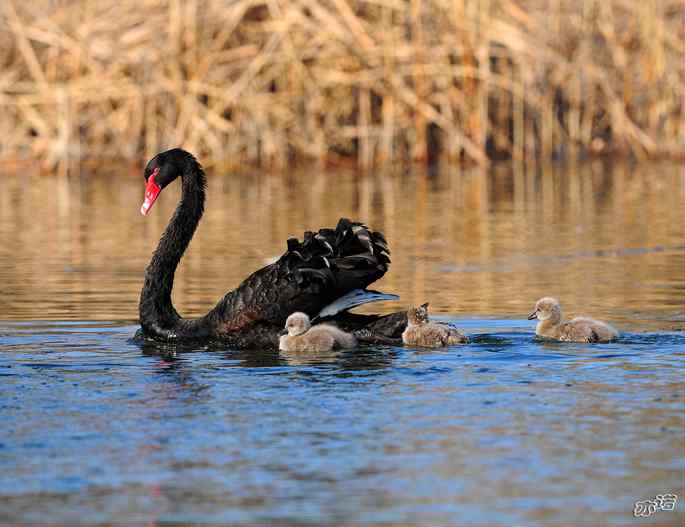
point(297, 323)
point(546, 308)
point(418, 315)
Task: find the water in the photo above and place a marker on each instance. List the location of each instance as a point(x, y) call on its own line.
point(507, 431)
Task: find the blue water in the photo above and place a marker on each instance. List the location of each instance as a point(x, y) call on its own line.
point(506, 431)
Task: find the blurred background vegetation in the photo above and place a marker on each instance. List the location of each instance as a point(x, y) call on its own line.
point(277, 82)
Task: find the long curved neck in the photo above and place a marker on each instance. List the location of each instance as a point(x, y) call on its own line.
point(157, 314)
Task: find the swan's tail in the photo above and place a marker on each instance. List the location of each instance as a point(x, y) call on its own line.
point(337, 261)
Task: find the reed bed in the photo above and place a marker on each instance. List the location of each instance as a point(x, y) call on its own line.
point(274, 82)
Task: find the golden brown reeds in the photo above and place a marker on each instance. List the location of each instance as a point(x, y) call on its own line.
point(268, 82)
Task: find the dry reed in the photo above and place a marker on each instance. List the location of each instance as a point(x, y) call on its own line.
point(270, 82)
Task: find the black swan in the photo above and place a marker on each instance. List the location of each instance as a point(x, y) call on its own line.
point(322, 276)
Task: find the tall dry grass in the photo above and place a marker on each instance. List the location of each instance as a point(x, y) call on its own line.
point(270, 82)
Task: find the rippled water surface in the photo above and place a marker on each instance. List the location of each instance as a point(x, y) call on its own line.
point(506, 431)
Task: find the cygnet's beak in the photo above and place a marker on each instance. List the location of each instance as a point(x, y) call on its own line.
point(533, 315)
point(284, 332)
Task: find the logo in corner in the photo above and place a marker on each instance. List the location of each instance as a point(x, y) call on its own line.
point(662, 502)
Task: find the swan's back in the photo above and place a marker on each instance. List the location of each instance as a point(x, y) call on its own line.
point(308, 276)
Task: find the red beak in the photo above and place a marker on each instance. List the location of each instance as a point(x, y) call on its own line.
point(152, 190)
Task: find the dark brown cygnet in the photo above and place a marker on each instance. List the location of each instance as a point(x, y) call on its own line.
point(421, 332)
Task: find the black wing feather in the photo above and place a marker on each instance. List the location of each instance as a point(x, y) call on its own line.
point(311, 274)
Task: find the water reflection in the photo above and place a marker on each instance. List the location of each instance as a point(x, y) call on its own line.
point(606, 239)
point(173, 358)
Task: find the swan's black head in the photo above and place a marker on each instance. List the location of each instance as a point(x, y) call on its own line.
point(162, 170)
